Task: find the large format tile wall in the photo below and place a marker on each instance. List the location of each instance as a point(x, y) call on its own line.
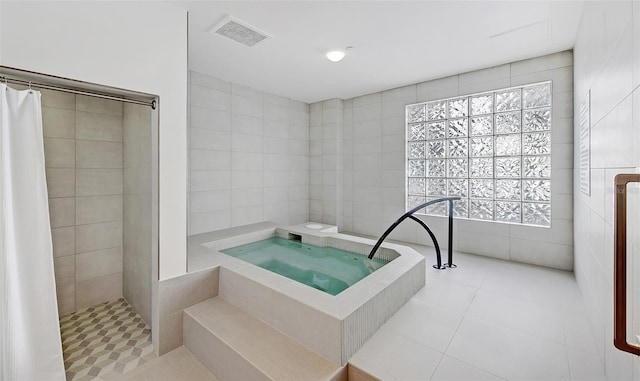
point(607, 63)
point(83, 158)
point(249, 156)
point(373, 165)
point(137, 234)
point(326, 166)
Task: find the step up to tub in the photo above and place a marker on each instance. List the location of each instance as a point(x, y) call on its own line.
point(234, 345)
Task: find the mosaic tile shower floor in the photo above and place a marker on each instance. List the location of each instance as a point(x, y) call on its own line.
point(107, 338)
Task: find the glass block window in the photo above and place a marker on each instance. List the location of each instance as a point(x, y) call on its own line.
point(492, 149)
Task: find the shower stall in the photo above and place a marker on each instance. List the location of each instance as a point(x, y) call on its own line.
point(100, 149)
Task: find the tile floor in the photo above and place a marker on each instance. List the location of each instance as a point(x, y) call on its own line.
point(178, 364)
point(108, 338)
point(486, 320)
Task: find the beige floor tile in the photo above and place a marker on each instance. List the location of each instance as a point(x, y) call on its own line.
point(178, 364)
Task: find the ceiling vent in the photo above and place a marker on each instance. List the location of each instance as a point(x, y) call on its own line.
point(239, 31)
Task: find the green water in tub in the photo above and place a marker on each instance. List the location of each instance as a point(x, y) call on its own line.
point(325, 268)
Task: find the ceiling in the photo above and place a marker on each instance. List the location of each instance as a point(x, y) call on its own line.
point(395, 43)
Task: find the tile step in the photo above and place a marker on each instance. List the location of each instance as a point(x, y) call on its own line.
point(234, 345)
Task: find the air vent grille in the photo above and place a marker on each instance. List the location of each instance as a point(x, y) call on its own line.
point(240, 32)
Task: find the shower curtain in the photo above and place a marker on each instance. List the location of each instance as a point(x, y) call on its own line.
point(30, 343)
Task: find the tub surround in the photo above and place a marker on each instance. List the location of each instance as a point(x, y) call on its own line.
point(343, 322)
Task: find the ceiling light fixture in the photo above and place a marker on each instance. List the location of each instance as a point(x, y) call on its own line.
point(335, 55)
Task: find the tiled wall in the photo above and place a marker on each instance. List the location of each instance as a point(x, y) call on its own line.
point(607, 63)
point(326, 171)
point(249, 156)
point(176, 294)
point(373, 162)
point(137, 250)
point(83, 156)
point(97, 185)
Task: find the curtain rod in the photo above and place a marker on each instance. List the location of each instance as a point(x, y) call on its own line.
point(31, 84)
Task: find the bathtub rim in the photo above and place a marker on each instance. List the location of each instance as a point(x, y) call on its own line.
point(203, 253)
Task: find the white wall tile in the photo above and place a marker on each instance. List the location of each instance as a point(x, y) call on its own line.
point(406, 93)
point(544, 63)
point(274, 161)
point(57, 99)
point(96, 290)
point(92, 126)
point(394, 143)
point(437, 88)
point(247, 179)
point(210, 200)
point(276, 100)
point(374, 98)
point(64, 241)
point(58, 123)
point(247, 161)
point(246, 143)
point(65, 270)
point(204, 160)
point(541, 253)
point(98, 105)
point(484, 76)
point(98, 154)
point(636, 44)
point(479, 87)
point(209, 221)
point(604, 56)
point(616, 79)
point(209, 81)
point(278, 129)
point(66, 298)
point(247, 124)
point(299, 178)
point(275, 178)
point(276, 146)
point(612, 138)
point(209, 180)
point(562, 130)
point(247, 215)
point(393, 125)
point(247, 106)
point(209, 98)
point(367, 113)
point(393, 160)
point(369, 161)
point(207, 139)
point(98, 236)
point(98, 263)
point(59, 153)
point(201, 117)
point(246, 91)
point(61, 182)
point(93, 209)
point(62, 212)
point(561, 78)
point(97, 182)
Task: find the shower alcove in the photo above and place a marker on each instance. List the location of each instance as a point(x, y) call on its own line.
point(101, 171)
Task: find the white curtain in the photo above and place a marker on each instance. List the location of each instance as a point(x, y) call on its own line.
point(29, 329)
